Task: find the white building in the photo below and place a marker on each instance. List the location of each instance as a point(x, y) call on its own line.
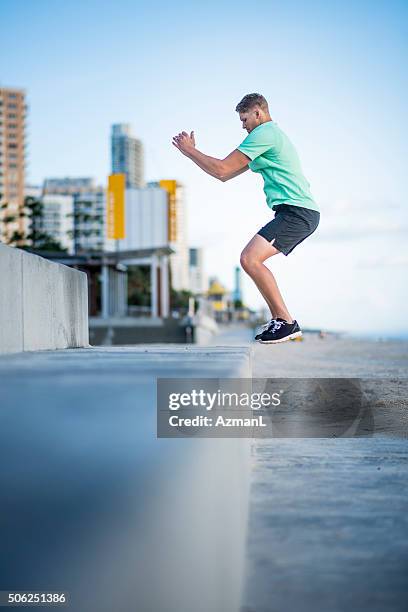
point(90, 221)
point(89, 214)
point(145, 219)
point(58, 219)
point(155, 217)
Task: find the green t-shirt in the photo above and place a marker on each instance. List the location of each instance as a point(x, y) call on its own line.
point(273, 155)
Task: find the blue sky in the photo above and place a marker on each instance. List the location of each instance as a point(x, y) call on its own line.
point(335, 78)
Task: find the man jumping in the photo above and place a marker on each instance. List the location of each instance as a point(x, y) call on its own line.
point(269, 151)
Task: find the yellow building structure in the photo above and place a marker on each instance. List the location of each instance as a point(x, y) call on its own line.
point(218, 297)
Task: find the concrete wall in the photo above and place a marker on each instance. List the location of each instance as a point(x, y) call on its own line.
point(147, 330)
point(128, 331)
point(43, 305)
point(98, 505)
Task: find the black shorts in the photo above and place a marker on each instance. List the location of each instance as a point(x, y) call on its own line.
point(290, 226)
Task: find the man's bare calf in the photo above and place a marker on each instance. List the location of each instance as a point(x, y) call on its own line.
point(254, 254)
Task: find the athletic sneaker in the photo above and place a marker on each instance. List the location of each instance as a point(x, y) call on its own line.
point(280, 332)
point(264, 327)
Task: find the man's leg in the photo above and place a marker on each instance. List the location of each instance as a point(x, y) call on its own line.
point(254, 254)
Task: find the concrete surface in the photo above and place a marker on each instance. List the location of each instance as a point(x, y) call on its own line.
point(86, 488)
point(328, 525)
point(43, 305)
point(331, 357)
point(328, 529)
point(94, 504)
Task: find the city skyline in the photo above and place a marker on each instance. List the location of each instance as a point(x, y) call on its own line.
point(338, 93)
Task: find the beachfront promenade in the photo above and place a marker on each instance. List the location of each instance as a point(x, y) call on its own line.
point(328, 523)
point(94, 503)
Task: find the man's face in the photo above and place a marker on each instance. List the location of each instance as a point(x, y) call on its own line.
point(250, 120)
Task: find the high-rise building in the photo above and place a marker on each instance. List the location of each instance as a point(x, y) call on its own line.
point(197, 279)
point(127, 155)
point(13, 110)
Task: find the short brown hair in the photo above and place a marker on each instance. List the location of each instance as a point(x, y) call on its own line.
point(249, 101)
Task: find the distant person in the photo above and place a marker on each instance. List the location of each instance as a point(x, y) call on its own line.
point(269, 151)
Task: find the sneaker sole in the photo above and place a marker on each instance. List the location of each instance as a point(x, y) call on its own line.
point(295, 335)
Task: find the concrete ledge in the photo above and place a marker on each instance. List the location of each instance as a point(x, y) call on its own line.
point(128, 521)
point(126, 322)
point(43, 305)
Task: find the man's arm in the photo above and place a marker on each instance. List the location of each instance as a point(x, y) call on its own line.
point(234, 174)
point(223, 169)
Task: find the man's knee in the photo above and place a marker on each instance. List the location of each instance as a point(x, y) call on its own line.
point(247, 261)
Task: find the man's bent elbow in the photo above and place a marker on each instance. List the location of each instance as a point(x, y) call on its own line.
point(222, 174)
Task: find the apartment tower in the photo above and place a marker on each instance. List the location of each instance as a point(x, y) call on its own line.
point(13, 110)
point(127, 155)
